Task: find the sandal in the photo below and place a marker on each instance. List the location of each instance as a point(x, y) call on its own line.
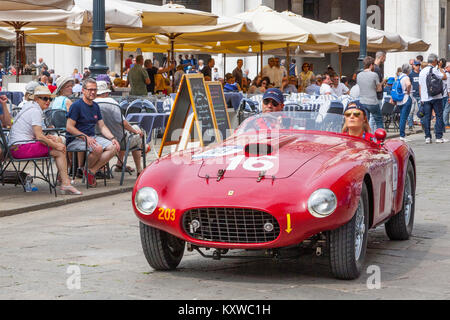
point(119, 169)
point(69, 190)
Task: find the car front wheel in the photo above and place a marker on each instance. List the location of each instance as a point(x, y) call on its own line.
point(348, 243)
point(162, 250)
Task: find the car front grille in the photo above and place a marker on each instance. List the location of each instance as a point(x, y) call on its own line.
point(230, 225)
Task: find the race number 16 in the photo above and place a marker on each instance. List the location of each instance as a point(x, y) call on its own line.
point(262, 163)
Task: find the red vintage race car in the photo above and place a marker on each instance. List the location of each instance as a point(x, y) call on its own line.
point(282, 181)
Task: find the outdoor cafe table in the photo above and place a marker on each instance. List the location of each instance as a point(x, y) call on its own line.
point(149, 121)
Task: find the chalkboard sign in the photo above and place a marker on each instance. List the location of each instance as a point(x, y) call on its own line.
point(191, 97)
point(219, 105)
point(204, 118)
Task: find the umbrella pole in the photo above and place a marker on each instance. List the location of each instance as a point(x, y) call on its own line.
point(224, 64)
point(172, 59)
point(288, 58)
point(121, 61)
point(261, 58)
point(340, 63)
point(257, 64)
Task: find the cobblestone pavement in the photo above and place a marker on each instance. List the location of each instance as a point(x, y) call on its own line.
point(42, 252)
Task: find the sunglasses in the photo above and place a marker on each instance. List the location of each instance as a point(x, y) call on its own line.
point(46, 99)
point(274, 103)
point(348, 114)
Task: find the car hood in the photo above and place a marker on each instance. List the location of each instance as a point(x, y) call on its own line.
point(263, 156)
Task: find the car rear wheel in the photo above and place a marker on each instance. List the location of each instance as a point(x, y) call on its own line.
point(162, 250)
point(400, 226)
point(348, 243)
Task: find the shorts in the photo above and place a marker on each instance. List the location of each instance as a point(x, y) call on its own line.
point(135, 141)
point(29, 150)
point(80, 145)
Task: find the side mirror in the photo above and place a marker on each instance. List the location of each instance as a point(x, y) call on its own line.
point(380, 134)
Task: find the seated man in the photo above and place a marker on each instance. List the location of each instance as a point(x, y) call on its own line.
point(83, 116)
point(356, 122)
point(115, 117)
point(28, 126)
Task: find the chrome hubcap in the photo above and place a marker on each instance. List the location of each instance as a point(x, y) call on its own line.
point(408, 200)
point(360, 229)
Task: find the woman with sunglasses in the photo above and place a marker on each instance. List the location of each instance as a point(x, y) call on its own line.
point(28, 125)
point(356, 122)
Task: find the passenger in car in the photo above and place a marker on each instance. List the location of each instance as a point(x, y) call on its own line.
point(356, 122)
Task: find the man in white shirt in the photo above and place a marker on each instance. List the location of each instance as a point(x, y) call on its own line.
point(279, 73)
point(268, 70)
point(325, 88)
point(433, 102)
point(338, 88)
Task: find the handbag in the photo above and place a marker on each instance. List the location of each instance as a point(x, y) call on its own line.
point(421, 111)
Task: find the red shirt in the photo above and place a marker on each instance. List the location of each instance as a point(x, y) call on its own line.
point(52, 88)
point(367, 136)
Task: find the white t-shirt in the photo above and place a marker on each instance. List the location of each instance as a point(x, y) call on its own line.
point(22, 128)
point(354, 91)
point(423, 83)
point(325, 89)
point(340, 90)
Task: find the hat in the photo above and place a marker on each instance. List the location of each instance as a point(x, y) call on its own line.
point(275, 94)
point(103, 77)
point(356, 105)
point(417, 63)
point(42, 91)
point(46, 73)
point(29, 88)
point(390, 80)
point(102, 87)
point(61, 81)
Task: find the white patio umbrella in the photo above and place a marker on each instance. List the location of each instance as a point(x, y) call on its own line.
point(6, 34)
point(36, 5)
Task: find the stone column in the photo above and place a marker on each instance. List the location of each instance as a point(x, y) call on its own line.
point(336, 13)
point(297, 6)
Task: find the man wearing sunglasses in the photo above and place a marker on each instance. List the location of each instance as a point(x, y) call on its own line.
point(84, 115)
point(273, 100)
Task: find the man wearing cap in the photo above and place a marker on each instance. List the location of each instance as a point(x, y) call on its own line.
point(273, 100)
point(115, 120)
point(28, 126)
point(83, 116)
point(415, 92)
point(63, 91)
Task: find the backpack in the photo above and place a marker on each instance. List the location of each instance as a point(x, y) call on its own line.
point(397, 93)
point(435, 85)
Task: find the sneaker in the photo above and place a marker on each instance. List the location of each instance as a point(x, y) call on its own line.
point(91, 178)
point(404, 139)
point(442, 140)
point(427, 140)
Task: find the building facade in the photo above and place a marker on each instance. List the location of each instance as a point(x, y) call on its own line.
point(425, 19)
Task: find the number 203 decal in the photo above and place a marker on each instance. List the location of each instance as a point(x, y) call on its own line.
point(166, 214)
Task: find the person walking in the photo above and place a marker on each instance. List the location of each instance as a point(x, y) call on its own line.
point(415, 93)
point(432, 103)
point(446, 98)
point(369, 84)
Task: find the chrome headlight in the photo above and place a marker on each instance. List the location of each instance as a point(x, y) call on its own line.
point(146, 200)
point(322, 203)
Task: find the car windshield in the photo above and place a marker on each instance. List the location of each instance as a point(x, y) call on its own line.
point(293, 120)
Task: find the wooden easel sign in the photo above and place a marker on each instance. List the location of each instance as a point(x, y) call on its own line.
point(192, 96)
point(219, 106)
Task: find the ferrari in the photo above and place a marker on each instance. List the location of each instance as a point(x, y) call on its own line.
point(282, 182)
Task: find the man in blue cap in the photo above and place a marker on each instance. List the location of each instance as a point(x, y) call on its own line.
point(273, 100)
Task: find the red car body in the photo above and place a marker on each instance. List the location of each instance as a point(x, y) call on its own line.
point(302, 162)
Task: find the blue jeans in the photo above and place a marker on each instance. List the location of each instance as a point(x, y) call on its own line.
point(375, 111)
point(411, 114)
point(435, 105)
point(404, 113)
point(446, 107)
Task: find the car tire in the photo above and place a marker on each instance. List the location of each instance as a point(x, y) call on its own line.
point(348, 243)
point(162, 250)
point(400, 226)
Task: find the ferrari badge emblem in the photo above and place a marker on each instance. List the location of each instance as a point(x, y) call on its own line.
point(230, 193)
